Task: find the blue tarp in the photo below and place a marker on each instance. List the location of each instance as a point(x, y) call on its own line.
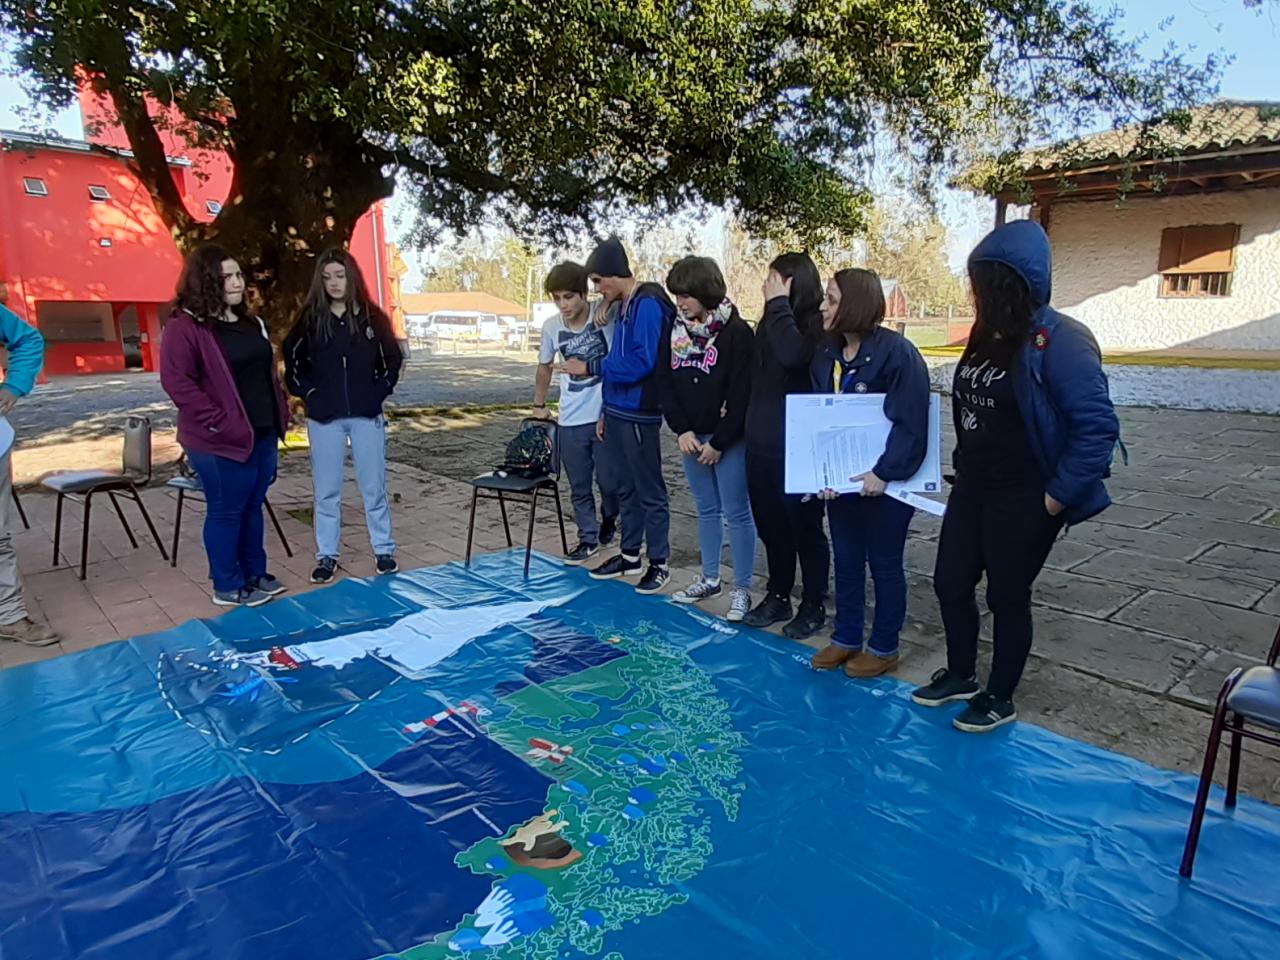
point(456, 762)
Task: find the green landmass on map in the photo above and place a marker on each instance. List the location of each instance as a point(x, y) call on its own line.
point(634, 855)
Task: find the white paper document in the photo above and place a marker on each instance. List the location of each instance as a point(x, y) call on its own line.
point(832, 438)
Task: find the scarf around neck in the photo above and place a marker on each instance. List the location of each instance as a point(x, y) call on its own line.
point(691, 338)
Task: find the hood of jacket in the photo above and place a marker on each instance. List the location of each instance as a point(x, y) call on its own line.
point(1023, 246)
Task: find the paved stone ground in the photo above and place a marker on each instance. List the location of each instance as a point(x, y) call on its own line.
point(1140, 615)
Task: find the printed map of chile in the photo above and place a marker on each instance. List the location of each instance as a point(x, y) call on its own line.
point(521, 783)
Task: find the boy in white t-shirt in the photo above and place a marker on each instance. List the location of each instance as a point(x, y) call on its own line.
point(581, 340)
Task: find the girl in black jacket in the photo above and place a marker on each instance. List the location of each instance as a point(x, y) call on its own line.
point(790, 526)
point(704, 382)
point(343, 361)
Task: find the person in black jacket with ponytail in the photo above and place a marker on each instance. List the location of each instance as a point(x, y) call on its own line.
point(343, 361)
point(790, 526)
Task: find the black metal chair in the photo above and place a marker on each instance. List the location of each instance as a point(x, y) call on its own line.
point(490, 486)
point(17, 502)
point(1251, 694)
point(188, 486)
point(79, 486)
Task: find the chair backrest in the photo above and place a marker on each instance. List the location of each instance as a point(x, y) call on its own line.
point(553, 431)
point(137, 448)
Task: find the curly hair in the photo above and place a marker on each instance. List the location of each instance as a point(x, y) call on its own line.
point(201, 285)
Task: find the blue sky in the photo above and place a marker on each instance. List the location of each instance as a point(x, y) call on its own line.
point(1252, 37)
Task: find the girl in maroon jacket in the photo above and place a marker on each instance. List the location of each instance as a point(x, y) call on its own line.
point(217, 365)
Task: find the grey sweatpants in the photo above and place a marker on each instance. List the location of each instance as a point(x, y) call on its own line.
point(12, 606)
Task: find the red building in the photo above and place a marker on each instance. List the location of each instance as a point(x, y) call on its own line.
point(87, 259)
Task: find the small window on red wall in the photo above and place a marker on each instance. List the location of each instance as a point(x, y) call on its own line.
point(34, 187)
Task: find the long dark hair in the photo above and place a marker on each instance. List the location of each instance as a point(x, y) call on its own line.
point(861, 307)
point(201, 286)
point(316, 310)
point(806, 289)
point(1003, 304)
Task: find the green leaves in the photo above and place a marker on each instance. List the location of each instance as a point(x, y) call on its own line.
point(551, 113)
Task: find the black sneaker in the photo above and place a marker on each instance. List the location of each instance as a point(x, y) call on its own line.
point(240, 598)
point(619, 566)
point(984, 714)
point(581, 554)
point(325, 569)
point(608, 530)
point(772, 609)
point(655, 579)
point(809, 620)
point(387, 564)
point(268, 585)
point(944, 687)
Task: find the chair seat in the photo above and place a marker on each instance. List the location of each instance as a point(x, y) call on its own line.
point(191, 484)
point(511, 483)
point(84, 481)
point(1256, 695)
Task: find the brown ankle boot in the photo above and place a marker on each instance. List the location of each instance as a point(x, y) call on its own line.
point(865, 664)
point(830, 657)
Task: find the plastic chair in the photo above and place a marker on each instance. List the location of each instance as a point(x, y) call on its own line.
point(490, 486)
point(79, 486)
point(188, 485)
point(1249, 694)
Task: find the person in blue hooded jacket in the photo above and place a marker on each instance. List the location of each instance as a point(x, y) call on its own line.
point(869, 529)
point(631, 425)
point(1035, 432)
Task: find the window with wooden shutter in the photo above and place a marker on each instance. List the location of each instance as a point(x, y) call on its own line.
point(1198, 261)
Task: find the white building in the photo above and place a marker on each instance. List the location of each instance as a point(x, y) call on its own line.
point(1189, 257)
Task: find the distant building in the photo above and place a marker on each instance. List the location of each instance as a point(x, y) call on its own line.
point(85, 255)
point(895, 300)
point(1190, 257)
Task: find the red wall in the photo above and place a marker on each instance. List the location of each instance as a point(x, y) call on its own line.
point(50, 247)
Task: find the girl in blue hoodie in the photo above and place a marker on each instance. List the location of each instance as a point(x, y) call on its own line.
point(1035, 433)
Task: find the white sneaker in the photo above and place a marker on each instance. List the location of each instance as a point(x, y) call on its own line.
point(739, 605)
point(701, 589)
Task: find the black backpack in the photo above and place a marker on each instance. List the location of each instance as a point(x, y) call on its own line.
point(529, 454)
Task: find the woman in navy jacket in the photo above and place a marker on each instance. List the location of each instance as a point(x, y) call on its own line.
point(1036, 431)
point(868, 528)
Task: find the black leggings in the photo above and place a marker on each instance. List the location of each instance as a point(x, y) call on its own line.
point(789, 528)
point(1007, 535)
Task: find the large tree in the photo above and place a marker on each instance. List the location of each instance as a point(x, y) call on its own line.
point(547, 111)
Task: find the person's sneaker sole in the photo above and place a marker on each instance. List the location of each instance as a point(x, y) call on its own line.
point(688, 600)
point(986, 727)
point(274, 592)
point(615, 576)
point(942, 701)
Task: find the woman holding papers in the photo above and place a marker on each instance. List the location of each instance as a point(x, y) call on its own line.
point(704, 381)
point(868, 528)
point(1035, 433)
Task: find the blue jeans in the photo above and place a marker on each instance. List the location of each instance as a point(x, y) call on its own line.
point(368, 437)
point(233, 525)
point(721, 494)
point(634, 452)
point(869, 531)
point(584, 461)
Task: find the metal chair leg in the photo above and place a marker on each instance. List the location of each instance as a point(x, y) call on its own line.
point(57, 529)
point(471, 524)
point(22, 514)
point(528, 544)
point(1206, 780)
point(275, 522)
point(506, 524)
point(564, 541)
point(146, 515)
point(111, 495)
point(1233, 767)
point(84, 537)
point(177, 529)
